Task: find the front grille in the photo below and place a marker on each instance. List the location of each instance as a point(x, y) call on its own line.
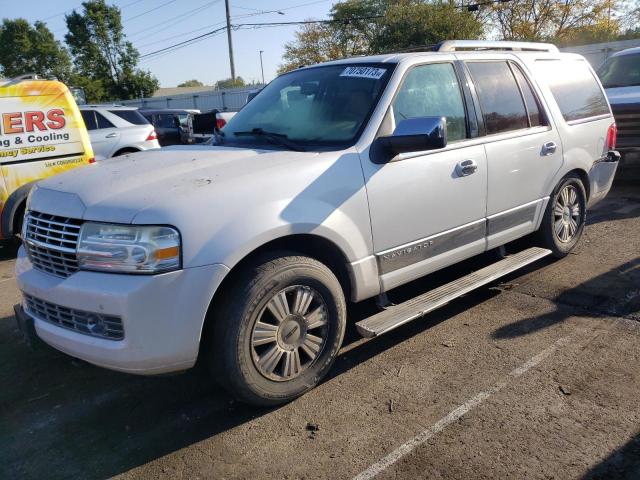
point(628, 121)
point(93, 324)
point(51, 242)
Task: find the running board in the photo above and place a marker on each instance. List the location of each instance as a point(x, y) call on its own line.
point(397, 315)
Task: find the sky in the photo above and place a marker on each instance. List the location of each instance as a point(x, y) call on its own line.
point(155, 24)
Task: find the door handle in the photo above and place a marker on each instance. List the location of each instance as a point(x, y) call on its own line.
point(549, 148)
point(466, 167)
point(112, 135)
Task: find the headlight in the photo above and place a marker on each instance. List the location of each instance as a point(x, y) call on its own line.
point(128, 248)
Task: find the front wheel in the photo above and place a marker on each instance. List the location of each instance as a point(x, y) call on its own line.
point(279, 329)
point(564, 218)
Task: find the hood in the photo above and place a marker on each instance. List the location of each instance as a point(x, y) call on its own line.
point(623, 95)
point(117, 189)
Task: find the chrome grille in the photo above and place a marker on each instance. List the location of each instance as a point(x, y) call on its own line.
point(93, 324)
point(628, 121)
point(51, 242)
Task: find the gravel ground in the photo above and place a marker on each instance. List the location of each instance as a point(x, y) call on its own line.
point(532, 377)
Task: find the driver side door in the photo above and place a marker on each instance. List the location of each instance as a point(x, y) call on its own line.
point(426, 212)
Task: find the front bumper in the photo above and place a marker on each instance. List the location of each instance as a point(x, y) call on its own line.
point(162, 315)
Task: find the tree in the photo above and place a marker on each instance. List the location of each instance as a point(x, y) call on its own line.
point(230, 83)
point(559, 21)
point(191, 83)
point(101, 52)
point(32, 49)
point(364, 27)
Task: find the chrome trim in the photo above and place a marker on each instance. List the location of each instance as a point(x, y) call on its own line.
point(419, 250)
point(511, 218)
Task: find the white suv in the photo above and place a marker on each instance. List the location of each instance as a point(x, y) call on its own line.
point(338, 182)
point(116, 130)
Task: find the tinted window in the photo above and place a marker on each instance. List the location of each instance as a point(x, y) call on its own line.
point(166, 120)
point(103, 122)
point(89, 119)
point(574, 88)
point(621, 71)
point(131, 116)
point(502, 105)
point(530, 99)
point(432, 91)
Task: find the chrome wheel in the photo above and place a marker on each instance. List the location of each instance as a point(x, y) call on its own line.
point(290, 333)
point(567, 214)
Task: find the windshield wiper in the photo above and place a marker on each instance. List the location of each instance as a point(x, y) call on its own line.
point(277, 138)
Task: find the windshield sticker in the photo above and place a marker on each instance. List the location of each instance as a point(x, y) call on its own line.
point(364, 72)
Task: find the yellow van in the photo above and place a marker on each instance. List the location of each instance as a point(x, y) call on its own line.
point(41, 134)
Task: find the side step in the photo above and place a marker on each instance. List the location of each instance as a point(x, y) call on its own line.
point(397, 315)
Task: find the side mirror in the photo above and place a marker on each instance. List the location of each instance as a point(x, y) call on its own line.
point(414, 135)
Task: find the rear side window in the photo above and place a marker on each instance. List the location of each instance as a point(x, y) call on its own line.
point(166, 120)
point(89, 119)
point(500, 100)
point(432, 91)
point(103, 122)
point(530, 100)
point(574, 88)
point(131, 116)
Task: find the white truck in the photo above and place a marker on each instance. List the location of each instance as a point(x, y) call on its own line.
point(337, 183)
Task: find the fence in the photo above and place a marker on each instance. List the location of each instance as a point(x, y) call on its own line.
point(597, 53)
point(231, 99)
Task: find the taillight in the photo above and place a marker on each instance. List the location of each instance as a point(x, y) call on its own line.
point(220, 122)
point(612, 137)
point(92, 160)
point(152, 136)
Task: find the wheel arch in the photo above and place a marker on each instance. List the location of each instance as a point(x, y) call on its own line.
point(584, 178)
point(307, 244)
point(125, 150)
point(13, 208)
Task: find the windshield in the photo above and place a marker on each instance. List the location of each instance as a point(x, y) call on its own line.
point(622, 71)
point(317, 106)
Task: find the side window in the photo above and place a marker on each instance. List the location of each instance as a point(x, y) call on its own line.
point(166, 120)
point(500, 100)
point(89, 119)
point(533, 107)
point(574, 88)
point(432, 91)
point(103, 122)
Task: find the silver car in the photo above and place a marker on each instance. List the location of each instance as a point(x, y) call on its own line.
point(336, 184)
point(116, 130)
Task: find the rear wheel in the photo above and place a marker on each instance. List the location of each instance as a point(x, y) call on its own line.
point(278, 329)
point(565, 216)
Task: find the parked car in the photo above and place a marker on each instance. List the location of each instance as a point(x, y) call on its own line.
point(116, 130)
point(338, 182)
point(620, 75)
point(206, 124)
point(173, 126)
point(41, 134)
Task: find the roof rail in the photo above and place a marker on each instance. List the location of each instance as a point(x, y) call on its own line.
point(455, 45)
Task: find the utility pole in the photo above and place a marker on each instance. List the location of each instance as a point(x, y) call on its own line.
point(261, 67)
point(233, 68)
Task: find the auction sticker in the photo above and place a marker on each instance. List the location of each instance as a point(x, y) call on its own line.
point(364, 72)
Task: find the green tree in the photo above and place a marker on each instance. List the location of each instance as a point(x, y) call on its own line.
point(192, 83)
point(230, 83)
point(32, 49)
point(364, 27)
point(102, 54)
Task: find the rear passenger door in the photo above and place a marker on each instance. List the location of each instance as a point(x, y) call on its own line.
point(523, 148)
point(102, 133)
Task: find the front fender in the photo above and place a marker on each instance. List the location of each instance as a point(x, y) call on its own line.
point(11, 208)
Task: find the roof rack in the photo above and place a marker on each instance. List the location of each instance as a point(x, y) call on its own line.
point(456, 45)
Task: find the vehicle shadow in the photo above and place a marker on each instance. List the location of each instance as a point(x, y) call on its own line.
point(64, 418)
point(621, 203)
point(622, 463)
point(8, 250)
point(615, 292)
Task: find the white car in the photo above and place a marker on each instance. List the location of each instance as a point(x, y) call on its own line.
point(116, 130)
point(337, 183)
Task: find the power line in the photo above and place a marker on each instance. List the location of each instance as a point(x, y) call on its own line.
point(185, 42)
point(72, 9)
point(175, 19)
point(149, 11)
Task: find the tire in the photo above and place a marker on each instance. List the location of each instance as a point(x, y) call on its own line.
point(565, 216)
point(262, 351)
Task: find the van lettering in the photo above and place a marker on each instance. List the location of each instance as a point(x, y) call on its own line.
point(34, 119)
point(56, 119)
point(12, 123)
